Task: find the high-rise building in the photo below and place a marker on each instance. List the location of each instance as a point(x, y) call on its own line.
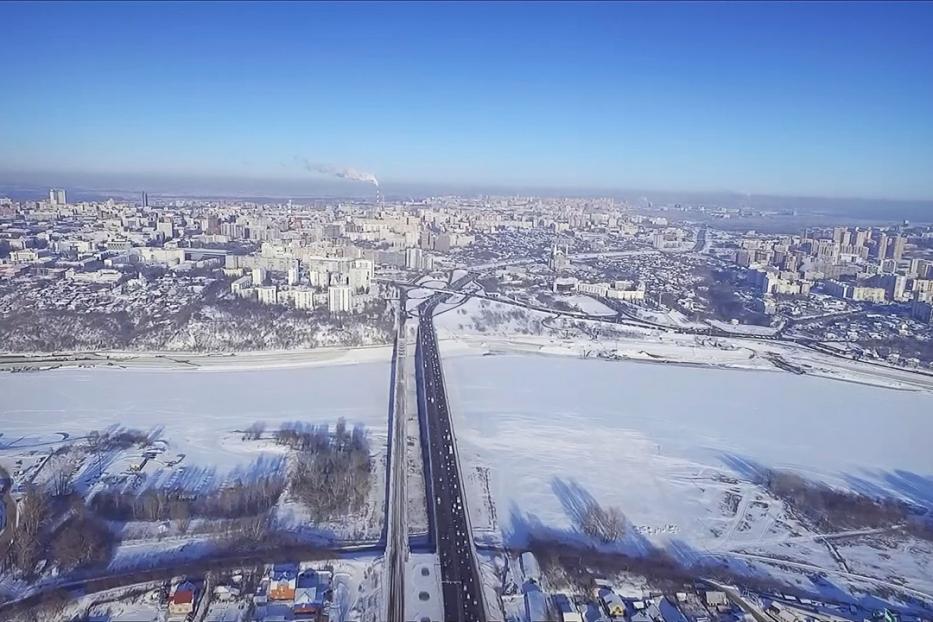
point(267, 294)
point(166, 228)
point(144, 200)
point(303, 298)
point(881, 250)
point(340, 298)
point(414, 259)
point(861, 235)
point(898, 251)
point(57, 196)
point(259, 277)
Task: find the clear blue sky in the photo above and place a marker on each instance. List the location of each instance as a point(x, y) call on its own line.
point(818, 99)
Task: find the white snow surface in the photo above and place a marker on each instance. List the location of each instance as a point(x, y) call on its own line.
point(743, 329)
point(667, 444)
point(197, 411)
point(587, 304)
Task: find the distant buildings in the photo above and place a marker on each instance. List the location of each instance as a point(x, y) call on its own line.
point(340, 299)
point(267, 294)
point(854, 292)
point(559, 261)
point(628, 291)
point(57, 197)
point(416, 259)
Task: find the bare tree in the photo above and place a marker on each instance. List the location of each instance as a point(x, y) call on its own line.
point(606, 525)
point(61, 482)
point(28, 547)
point(81, 540)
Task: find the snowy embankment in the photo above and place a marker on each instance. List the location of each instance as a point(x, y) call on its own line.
point(587, 304)
point(493, 326)
point(675, 449)
point(744, 329)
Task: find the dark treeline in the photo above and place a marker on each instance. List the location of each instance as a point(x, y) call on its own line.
point(831, 509)
point(247, 499)
point(332, 474)
point(59, 529)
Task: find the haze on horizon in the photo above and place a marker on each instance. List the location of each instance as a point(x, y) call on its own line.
point(828, 100)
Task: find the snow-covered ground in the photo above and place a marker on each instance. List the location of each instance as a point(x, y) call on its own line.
point(541, 436)
point(587, 304)
point(198, 412)
point(743, 329)
point(195, 420)
point(671, 317)
point(499, 327)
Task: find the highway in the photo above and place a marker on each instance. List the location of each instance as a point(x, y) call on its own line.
point(461, 584)
point(397, 525)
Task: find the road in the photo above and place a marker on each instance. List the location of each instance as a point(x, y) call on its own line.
point(397, 534)
point(461, 584)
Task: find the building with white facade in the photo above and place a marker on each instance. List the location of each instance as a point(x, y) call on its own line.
point(340, 299)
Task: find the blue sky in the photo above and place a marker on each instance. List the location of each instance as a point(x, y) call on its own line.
point(808, 99)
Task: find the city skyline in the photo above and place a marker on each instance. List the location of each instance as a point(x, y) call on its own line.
point(828, 100)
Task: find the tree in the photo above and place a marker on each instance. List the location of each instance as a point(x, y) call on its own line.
point(61, 481)
point(81, 541)
point(28, 546)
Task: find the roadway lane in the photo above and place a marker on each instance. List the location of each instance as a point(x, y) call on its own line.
point(396, 522)
point(461, 584)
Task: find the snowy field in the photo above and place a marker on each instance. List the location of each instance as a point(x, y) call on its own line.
point(194, 419)
point(671, 446)
point(587, 304)
point(198, 412)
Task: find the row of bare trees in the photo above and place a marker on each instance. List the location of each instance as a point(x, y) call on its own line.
point(59, 529)
point(248, 499)
point(831, 509)
point(332, 475)
point(81, 540)
point(605, 524)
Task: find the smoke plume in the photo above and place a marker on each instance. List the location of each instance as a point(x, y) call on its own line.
point(337, 171)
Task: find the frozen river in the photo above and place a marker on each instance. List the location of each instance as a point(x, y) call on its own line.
point(197, 411)
point(660, 441)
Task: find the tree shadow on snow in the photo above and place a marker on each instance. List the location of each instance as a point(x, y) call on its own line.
point(579, 505)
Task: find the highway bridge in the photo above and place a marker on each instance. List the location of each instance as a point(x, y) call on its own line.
point(450, 524)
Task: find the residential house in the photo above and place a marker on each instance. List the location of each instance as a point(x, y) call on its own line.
point(181, 602)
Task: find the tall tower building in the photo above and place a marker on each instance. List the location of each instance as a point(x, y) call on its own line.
point(860, 236)
point(881, 251)
point(56, 196)
point(898, 251)
point(144, 200)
